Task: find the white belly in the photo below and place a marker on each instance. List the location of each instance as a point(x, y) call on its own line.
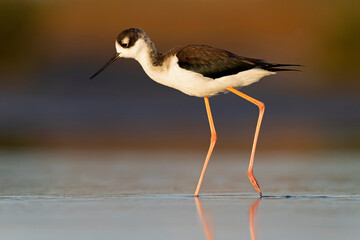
point(195, 84)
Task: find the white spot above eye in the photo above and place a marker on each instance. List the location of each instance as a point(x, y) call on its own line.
point(125, 41)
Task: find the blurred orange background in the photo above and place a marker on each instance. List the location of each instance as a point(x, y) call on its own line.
point(50, 48)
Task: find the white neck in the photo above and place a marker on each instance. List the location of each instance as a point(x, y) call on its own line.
point(150, 60)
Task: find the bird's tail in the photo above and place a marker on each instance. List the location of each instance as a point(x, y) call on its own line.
point(276, 67)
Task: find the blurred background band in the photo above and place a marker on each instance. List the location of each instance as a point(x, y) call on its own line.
point(49, 49)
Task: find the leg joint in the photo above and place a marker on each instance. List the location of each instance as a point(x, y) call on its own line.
point(213, 137)
point(261, 106)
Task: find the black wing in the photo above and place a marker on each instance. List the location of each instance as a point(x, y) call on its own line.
point(215, 63)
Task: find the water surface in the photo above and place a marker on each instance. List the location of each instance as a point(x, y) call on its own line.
point(127, 195)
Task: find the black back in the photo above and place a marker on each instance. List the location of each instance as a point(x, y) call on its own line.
point(215, 63)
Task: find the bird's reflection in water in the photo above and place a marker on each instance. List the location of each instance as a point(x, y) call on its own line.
point(252, 213)
point(209, 229)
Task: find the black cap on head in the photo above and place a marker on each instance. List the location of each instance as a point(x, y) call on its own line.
point(128, 37)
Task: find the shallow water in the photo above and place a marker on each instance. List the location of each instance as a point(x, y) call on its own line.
point(124, 195)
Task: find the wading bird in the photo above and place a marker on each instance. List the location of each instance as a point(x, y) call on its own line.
point(201, 71)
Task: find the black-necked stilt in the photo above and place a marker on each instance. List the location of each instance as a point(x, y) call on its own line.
point(201, 71)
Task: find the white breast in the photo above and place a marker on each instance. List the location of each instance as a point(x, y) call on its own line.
point(195, 84)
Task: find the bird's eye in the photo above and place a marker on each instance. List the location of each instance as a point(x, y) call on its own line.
point(124, 45)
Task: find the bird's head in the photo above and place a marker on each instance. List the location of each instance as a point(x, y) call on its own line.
point(129, 43)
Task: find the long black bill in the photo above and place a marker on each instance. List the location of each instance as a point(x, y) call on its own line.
point(106, 65)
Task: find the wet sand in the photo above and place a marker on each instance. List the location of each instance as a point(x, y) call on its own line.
point(127, 195)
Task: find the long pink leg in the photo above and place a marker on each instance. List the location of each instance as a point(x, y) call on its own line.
point(211, 148)
point(261, 114)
